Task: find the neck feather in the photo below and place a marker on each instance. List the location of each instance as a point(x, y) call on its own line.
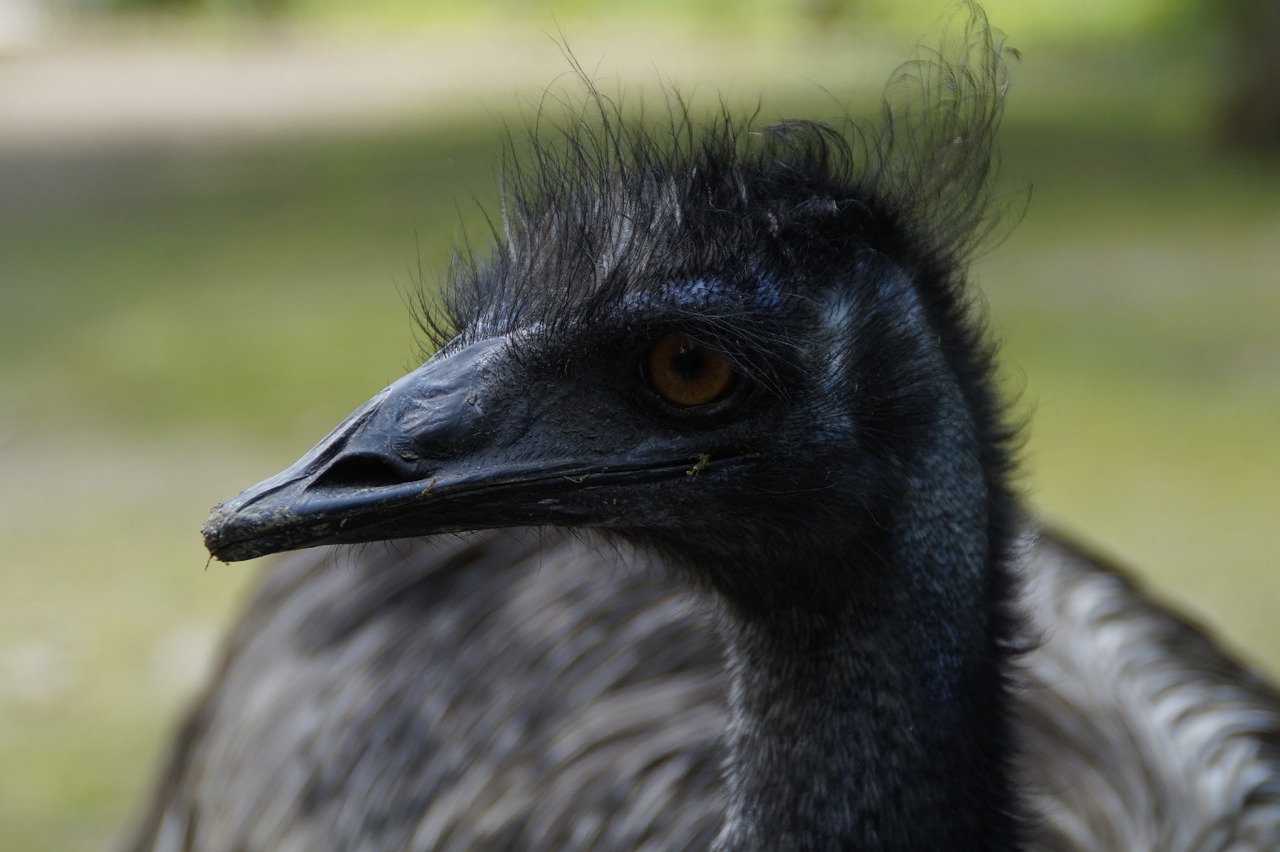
point(882, 721)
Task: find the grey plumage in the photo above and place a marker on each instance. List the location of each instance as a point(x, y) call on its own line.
point(543, 730)
point(1138, 732)
point(746, 365)
point(528, 690)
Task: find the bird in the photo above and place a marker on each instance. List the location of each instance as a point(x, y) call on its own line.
point(699, 530)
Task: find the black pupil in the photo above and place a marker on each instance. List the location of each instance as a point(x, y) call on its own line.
point(689, 363)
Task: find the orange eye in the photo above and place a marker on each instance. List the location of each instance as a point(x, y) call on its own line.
point(685, 373)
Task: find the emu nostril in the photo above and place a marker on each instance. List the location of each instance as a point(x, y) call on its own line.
point(357, 471)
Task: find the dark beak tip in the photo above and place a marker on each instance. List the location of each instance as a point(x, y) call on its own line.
point(215, 539)
point(232, 535)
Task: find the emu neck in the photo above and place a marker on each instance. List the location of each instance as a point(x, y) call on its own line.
point(879, 721)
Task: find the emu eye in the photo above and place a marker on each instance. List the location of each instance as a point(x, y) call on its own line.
point(685, 373)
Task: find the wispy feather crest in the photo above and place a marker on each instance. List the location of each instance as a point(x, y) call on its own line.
point(605, 203)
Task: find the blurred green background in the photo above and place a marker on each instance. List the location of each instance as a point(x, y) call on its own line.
point(212, 216)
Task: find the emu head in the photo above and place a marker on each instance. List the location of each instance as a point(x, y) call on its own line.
point(711, 340)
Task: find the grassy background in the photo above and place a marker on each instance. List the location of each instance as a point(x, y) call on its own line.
point(179, 319)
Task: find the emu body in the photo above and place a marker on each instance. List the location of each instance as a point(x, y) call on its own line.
point(524, 690)
point(803, 610)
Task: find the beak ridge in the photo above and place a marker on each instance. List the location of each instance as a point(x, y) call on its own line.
point(391, 445)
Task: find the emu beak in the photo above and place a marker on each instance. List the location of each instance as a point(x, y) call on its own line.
point(447, 448)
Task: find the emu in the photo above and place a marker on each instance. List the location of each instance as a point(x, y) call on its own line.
point(744, 568)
